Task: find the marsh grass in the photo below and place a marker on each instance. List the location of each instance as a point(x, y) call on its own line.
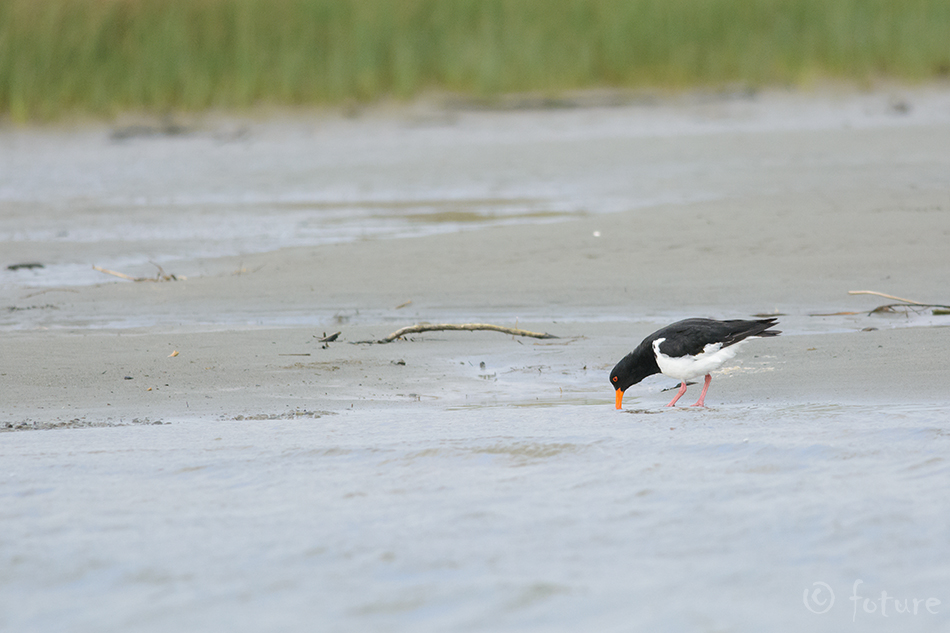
point(105, 56)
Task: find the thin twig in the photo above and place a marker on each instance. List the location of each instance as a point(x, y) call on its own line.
point(161, 276)
point(938, 309)
point(122, 275)
point(916, 306)
point(881, 294)
point(433, 327)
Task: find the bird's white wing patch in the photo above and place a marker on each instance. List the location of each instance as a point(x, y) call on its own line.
point(688, 367)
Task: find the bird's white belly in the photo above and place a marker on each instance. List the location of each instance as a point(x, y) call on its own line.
point(687, 367)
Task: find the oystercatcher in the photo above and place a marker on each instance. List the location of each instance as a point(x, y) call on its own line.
point(685, 350)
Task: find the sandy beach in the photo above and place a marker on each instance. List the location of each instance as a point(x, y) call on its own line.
point(800, 217)
point(595, 224)
point(554, 278)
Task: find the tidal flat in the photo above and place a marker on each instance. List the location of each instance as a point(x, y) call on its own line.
point(187, 454)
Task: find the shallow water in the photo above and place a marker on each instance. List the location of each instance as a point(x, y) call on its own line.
point(74, 199)
point(497, 518)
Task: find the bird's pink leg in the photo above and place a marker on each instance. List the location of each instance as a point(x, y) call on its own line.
point(702, 397)
point(679, 394)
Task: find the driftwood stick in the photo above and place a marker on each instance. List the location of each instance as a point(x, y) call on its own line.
point(915, 306)
point(434, 327)
point(161, 276)
point(881, 294)
point(112, 272)
point(906, 305)
point(938, 309)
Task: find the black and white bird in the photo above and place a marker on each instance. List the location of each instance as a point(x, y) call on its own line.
point(685, 350)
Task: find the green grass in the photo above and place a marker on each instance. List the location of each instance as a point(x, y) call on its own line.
point(101, 57)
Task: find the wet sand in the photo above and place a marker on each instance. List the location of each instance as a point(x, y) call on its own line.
point(794, 255)
point(462, 481)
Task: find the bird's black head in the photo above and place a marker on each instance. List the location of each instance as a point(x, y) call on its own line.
point(633, 368)
point(628, 372)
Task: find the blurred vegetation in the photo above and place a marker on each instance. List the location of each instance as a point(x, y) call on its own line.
point(104, 56)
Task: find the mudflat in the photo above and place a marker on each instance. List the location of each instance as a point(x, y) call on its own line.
point(630, 217)
point(249, 476)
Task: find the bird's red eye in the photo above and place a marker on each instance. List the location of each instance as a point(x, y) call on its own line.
point(615, 379)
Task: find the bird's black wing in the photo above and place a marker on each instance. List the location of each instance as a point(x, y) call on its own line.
point(691, 336)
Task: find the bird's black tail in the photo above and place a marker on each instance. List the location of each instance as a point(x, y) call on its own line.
point(742, 330)
point(765, 331)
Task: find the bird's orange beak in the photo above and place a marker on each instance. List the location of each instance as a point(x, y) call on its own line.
point(619, 398)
